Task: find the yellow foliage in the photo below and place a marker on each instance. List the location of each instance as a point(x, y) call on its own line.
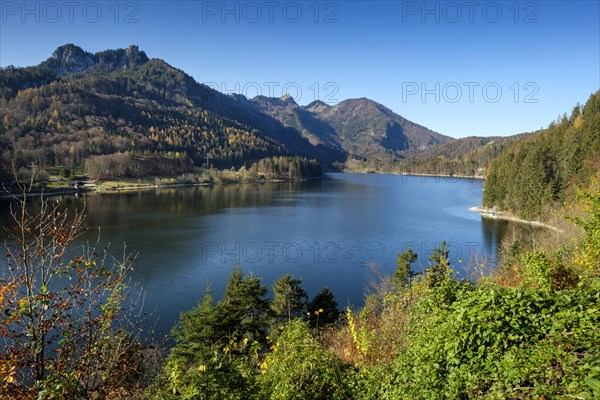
point(578, 122)
point(7, 372)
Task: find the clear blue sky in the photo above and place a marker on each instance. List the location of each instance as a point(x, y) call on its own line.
point(461, 68)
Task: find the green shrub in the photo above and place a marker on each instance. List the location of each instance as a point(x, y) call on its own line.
point(499, 343)
point(587, 257)
point(300, 368)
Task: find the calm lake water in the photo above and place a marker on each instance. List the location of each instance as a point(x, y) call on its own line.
point(331, 232)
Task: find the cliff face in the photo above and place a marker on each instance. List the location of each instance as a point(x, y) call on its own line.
point(69, 59)
point(72, 59)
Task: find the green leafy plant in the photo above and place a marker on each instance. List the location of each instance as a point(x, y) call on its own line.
point(300, 368)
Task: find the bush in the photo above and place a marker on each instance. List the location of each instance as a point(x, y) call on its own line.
point(300, 368)
point(500, 343)
point(587, 257)
point(62, 318)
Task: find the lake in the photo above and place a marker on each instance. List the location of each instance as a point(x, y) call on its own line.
point(339, 232)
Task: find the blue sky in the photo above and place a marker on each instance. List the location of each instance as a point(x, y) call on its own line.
point(461, 68)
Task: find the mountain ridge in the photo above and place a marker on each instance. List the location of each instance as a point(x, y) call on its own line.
point(78, 104)
point(70, 59)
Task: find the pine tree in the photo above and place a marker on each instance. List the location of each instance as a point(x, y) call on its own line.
point(323, 309)
point(243, 309)
point(403, 273)
point(289, 299)
point(440, 269)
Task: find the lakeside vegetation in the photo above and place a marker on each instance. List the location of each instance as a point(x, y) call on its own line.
point(125, 171)
point(267, 169)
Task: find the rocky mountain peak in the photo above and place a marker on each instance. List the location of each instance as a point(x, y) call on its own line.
point(287, 98)
point(70, 59)
point(120, 59)
point(317, 106)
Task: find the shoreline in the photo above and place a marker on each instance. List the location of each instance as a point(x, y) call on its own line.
point(445, 176)
point(5, 195)
point(416, 174)
point(133, 188)
point(491, 214)
point(95, 189)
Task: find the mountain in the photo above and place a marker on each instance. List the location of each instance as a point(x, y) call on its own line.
point(71, 59)
point(76, 105)
point(112, 107)
point(360, 127)
point(66, 61)
point(368, 129)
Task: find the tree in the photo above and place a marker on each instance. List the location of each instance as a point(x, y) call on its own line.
point(202, 364)
point(209, 327)
point(440, 269)
point(218, 344)
point(403, 273)
point(538, 172)
point(243, 310)
point(323, 309)
point(61, 308)
point(197, 333)
point(289, 299)
point(66, 173)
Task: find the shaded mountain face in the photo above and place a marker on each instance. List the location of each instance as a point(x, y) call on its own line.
point(303, 121)
point(78, 104)
point(369, 129)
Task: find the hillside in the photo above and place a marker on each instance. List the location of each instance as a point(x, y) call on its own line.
point(470, 156)
point(369, 129)
point(361, 128)
point(543, 170)
point(76, 105)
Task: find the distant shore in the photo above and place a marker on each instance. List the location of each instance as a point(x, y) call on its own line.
point(414, 174)
point(122, 186)
point(39, 192)
point(445, 176)
point(492, 214)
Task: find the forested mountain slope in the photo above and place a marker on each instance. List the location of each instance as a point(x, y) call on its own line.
point(545, 169)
